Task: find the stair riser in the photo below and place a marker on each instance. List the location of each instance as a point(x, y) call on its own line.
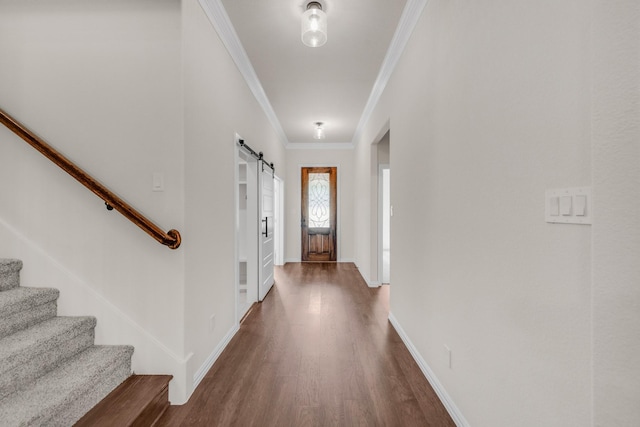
point(27, 318)
point(37, 364)
point(73, 410)
point(9, 274)
point(51, 337)
point(138, 402)
point(154, 410)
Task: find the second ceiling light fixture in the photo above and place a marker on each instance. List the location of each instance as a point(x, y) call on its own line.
point(318, 132)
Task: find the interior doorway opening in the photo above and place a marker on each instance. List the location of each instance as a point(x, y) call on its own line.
point(382, 168)
point(247, 219)
point(279, 220)
point(385, 218)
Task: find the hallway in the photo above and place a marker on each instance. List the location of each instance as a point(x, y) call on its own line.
point(319, 351)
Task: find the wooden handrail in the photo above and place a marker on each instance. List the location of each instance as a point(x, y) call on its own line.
point(171, 238)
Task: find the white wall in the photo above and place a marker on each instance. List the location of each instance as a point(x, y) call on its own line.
point(297, 158)
point(101, 82)
point(488, 107)
point(616, 230)
point(218, 104)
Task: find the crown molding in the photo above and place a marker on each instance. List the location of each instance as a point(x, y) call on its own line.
point(320, 146)
point(219, 18)
point(410, 16)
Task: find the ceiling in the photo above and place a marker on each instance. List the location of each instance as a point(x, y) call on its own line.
point(303, 85)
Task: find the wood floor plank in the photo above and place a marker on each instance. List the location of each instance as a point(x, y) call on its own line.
point(308, 416)
point(319, 351)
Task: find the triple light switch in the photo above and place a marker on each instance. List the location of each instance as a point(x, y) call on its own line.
point(568, 205)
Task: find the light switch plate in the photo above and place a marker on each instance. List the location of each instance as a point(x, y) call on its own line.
point(568, 205)
point(158, 181)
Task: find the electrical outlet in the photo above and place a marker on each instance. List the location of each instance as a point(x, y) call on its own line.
point(447, 356)
point(212, 322)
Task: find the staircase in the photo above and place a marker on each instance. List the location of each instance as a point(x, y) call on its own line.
point(51, 373)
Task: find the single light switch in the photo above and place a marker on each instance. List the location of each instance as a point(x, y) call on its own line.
point(554, 206)
point(158, 181)
point(580, 205)
point(565, 205)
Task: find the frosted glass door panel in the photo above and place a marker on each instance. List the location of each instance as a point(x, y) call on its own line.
point(319, 200)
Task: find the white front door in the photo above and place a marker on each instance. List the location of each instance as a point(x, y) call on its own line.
point(267, 231)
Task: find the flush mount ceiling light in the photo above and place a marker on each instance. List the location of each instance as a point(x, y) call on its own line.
point(314, 25)
point(318, 132)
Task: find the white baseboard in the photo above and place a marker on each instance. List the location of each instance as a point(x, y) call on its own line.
point(446, 400)
point(202, 371)
point(370, 283)
point(347, 260)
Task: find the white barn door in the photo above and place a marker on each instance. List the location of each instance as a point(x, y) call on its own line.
point(266, 245)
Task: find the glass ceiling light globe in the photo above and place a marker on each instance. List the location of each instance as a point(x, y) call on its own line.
point(314, 25)
point(318, 132)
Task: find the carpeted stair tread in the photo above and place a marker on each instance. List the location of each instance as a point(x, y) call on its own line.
point(30, 353)
point(62, 396)
point(9, 273)
point(17, 348)
point(23, 307)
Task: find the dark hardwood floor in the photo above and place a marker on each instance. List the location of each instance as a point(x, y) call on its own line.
point(319, 351)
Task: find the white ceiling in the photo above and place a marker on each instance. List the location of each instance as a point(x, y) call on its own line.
point(303, 85)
